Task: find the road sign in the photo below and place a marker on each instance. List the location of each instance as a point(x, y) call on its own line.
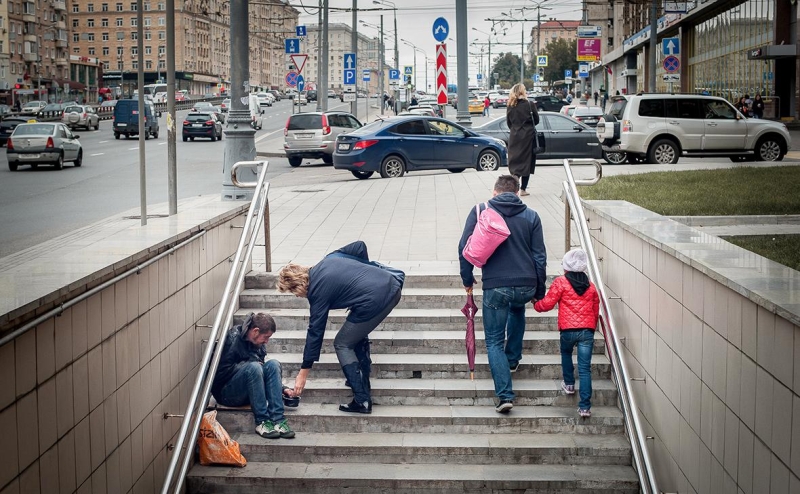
point(583, 70)
point(568, 80)
point(671, 77)
point(440, 29)
point(351, 96)
point(567, 73)
point(394, 74)
point(541, 61)
point(291, 79)
point(671, 7)
point(672, 64)
point(441, 74)
point(292, 45)
point(365, 75)
point(671, 46)
point(590, 31)
point(349, 76)
point(479, 77)
point(350, 62)
point(299, 62)
point(301, 83)
point(300, 31)
point(536, 78)
point(408, 70)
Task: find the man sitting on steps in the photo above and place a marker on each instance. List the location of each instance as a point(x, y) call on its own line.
point(245, 376)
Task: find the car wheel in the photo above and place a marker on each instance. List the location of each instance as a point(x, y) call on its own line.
point(295, 161)
point(185, 138)
point(614, 157)
point(663, 152)
point(361, 175)
point(97, 125)
point(79, 160)
point(393, 167)
point(191, 139)
point(12, 167)
point(60, 163)
point(488, 161)
point(155, 135)
point(455, 170)
point(769, 149)
point(116, 135)
point(327, 159)
point(214, 137)
point(220, 135)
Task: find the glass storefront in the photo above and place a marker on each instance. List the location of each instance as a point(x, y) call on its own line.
point(718, 63)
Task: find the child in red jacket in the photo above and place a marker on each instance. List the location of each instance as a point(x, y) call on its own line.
point(578, 309)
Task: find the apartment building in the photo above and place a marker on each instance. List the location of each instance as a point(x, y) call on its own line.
point(549, 31)
point(339, 43)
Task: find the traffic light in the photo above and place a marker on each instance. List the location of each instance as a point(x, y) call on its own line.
point(541, 71)
point(17, 86)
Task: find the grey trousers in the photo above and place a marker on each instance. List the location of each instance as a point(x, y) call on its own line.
point(353, 333)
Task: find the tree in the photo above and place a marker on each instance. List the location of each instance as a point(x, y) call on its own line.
point(561, 56)
point(507, 69)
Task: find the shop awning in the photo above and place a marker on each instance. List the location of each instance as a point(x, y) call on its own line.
point(72, 85)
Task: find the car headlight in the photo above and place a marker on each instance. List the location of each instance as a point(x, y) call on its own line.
point(501, 142)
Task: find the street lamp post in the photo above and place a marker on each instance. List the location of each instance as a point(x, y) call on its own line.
point(417, 49)
point(489, 69)
point(396, 46)
point(381, 60)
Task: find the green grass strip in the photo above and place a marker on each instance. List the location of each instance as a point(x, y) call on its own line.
point(784, 249)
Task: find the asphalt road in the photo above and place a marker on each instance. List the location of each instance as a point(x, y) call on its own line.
point(36, 205)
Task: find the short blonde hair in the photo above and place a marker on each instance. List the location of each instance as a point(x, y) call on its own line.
point(294, 278)
point(517, 93)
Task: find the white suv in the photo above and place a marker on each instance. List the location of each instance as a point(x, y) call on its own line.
point(660, 128)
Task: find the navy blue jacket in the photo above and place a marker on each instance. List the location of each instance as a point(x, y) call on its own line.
point(237, 349)
point(519, 261)
point(340, 283)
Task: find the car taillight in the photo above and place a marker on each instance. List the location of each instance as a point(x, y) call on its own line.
point(326, 129)
point(185, 122)
point(364, 144)
point(50, 144)
point(9, 144)
point(209, 122)
point(84, 115)
point(627, 126)
point(286, 129)
point(579, 119)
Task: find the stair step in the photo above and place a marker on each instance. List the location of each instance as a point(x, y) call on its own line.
point(318, 417)
point(357, 478)
point(462, 392)
point(400, 319)
point(452, 449)
point(441, 366)
point(418, 342)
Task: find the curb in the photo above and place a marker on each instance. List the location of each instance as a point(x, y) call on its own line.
point(271, 154)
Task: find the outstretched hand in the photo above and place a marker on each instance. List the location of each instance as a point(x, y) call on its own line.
point(300, 382)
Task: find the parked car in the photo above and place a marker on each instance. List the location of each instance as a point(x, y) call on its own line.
point(80, 116)
point(311, 95)
point(501, 101)
point(265, 99)
point(406, 143)
point(588, 115)
point(126, 119)
point(547, 102)
point(660, 128)
point(51, 110)
point(561, 137)
point(277, 94)
point(225, 105)
point(313, 135)
point(32, 107)
point(43, 143)
point(301, 99)
point(8, 125)
point(205, 125)
point(331, 93)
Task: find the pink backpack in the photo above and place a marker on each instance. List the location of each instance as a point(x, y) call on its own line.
point(490, 231)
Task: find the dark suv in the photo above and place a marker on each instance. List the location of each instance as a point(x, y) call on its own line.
point(546, 102)
point(311, 95)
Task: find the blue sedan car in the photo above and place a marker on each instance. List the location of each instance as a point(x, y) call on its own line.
point(396, 145)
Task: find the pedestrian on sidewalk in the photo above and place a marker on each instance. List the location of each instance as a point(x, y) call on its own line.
point(522, 119)
point(513, 275)
point(596, 96)
point(578, 310)
point(486, 103)
point(246, 377)
point(758, 106)
point(344, 279)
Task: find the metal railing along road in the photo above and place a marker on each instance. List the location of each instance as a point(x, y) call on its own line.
point(641, 456)
point(184, 446)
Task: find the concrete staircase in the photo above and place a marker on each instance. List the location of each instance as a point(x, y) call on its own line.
point(432, 429)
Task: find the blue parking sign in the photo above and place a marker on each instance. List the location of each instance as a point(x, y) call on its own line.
point(394, 74)
point(567, 73)
point(349, 76)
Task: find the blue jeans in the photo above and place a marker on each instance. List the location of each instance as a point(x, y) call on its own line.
point(259, 385)
point(504, 325)
point(584, 338)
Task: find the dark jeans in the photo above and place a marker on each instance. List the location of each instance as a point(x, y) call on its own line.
point(584, 339)
point(259, 385)
point(504, 327)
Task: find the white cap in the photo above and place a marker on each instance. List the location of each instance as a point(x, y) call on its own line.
point(575, 261)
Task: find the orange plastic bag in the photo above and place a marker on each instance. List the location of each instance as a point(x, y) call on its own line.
point(216, 446)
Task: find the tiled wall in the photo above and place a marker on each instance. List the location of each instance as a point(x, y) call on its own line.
point(721, 392)
point(82, 396)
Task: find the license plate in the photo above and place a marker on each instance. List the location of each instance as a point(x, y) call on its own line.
point(344, 147)
point(122, 125)
point(305, 136)
point(30, 156)
point(197, 125)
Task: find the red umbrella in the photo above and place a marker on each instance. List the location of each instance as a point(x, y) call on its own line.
point(469, 310)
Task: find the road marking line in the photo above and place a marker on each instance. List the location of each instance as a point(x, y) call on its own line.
point(267, 135)
point(97, 154)
point(102, 142)
point(133, 149)
point(162, 143)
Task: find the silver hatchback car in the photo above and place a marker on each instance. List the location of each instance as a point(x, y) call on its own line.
point(313, 135)
point(80, 116)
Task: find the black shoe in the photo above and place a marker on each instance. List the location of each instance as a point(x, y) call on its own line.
point(513, 368)
point(504, 406)
point(355, 407)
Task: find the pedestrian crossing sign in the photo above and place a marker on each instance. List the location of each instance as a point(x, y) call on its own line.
point(541, 61)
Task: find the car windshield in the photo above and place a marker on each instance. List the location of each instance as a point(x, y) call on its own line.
point(203, 104)
point(34, 130)
point(617, 107)
point(32, 104)
point(303, 122)
point(73, 109)
point(583, 111)
point(198, 117)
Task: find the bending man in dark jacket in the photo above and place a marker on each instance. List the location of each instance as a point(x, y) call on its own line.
point(344, 279)
point(513, 276)
point(244, 376)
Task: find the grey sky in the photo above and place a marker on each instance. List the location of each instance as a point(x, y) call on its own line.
point(415, 20)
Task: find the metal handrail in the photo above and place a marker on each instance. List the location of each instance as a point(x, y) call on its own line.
point(641, 455)
point(58, 310)
point(184, 446)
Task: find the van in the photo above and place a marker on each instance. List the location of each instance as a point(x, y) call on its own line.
point(126, 119)
point(256, 121)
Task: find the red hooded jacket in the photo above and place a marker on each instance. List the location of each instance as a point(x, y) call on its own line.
point(574, 311)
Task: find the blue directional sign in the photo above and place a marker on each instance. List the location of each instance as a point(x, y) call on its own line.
point(408, 70)
point(292, 45)
point(394, 74)
point(567, 73)
point(350, 62)
point(583, 70)
point(541, 61)
point(479, 77)
point(365, 75)
point(440, 29)
point(349, 76)
point(671, 46)
point(301, 83)
point(300, 31)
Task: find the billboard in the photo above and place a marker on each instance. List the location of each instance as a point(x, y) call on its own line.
point(589, 49)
